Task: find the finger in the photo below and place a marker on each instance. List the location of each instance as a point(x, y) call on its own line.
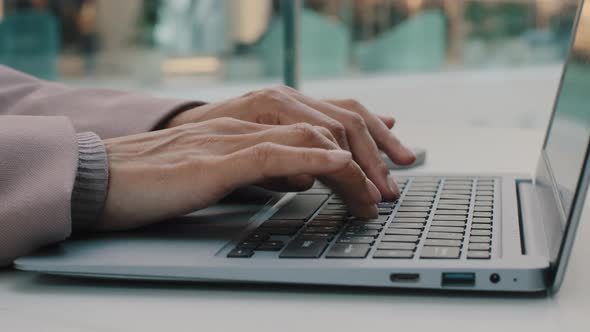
point(388, 121)
point(277, 106)
point(362, 144)
point(268, 160)
point(357, 191)
point(385, 139)
point(289, 184)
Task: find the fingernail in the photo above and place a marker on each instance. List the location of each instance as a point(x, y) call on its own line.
point(373, 191)
point(339, 156)
point(409, 150)
point(392, 185)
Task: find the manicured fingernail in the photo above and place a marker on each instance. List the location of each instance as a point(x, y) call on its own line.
point(392, 185)
point(340, 156)
point(373, 191)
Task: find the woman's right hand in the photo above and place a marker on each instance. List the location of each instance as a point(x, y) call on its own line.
point(168, 173)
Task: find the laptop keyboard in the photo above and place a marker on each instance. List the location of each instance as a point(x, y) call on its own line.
point(435, 218)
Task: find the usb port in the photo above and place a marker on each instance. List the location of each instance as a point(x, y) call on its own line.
point(458, 279)
point(404, 277)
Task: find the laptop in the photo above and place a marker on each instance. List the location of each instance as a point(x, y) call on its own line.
point(481, 232)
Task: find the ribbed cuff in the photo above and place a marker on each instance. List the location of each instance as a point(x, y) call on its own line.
point(91, 185)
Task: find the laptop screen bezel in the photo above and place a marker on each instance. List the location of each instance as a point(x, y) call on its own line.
point(571, 217)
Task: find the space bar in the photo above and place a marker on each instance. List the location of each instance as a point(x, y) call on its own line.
point(301, 207)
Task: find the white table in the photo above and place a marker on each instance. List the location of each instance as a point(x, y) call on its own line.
point(36, 303)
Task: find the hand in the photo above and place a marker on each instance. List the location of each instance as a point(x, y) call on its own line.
point(353, 126)
point(168, 173)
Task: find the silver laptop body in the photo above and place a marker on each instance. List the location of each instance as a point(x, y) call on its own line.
point(480, 232)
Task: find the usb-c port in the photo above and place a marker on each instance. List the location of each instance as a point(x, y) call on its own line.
point(404, 277)
point(458, 279)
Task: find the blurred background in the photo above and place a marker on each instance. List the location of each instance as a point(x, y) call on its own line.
point(477, 62)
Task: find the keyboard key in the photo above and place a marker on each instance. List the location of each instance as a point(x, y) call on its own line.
point(240, 253)
point(393, 254)
point(484, 198)
point(258, 236)
point(447, 229)
point(482, 214)
point(479, 246)
point(409, 220)
point(300, 207)
point(325, 223)
point(451, 212)
point(376, 227)
point(357, 239)
point(418, 199)
point(454, 201)
point(485, 187)
point(299, 248)
point(271, 246)
point(379, 220)
point(455, 197)
point(480, 239)
point(426, 188)
point(399, 238)
point(413, 209)
point(481, 232)
point(440, 252)
point(410, 203)
point(315, 236)
point(321, 229)
point(338, 213)
point(335, 217)
point(484, 203)
point(482, 220)
point(385, 211)
point(444, 236)
point(411, 215)
point(336, 207)
point(481, 226)
point(402, 231)
point(362, 232)
point(485, 192)
point(449, 223)
point(406, 225)
point(420, 193)
point(279, 230)
point(449, 218)
point(397, 246)
point(342, 250)
point(483, 209)
point(478, 254)
point(452, 207)
point(248, 245)
point(456, 192)
point(386, 204)
point(442, 243)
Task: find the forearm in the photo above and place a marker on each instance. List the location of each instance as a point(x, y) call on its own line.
point(108, 113)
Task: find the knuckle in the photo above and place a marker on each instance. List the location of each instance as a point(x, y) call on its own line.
point(357, 122)
point(337, 129)
point(262, 152)
point(285, 88)
point(270, 95)
point(305, 131)
point(353, 104)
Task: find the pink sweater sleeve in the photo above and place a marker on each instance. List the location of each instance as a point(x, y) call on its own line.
point(39, 150)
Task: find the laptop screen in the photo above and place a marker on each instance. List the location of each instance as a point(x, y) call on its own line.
point(569, 133)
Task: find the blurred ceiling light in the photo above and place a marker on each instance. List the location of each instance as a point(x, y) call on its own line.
point(194, 65)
